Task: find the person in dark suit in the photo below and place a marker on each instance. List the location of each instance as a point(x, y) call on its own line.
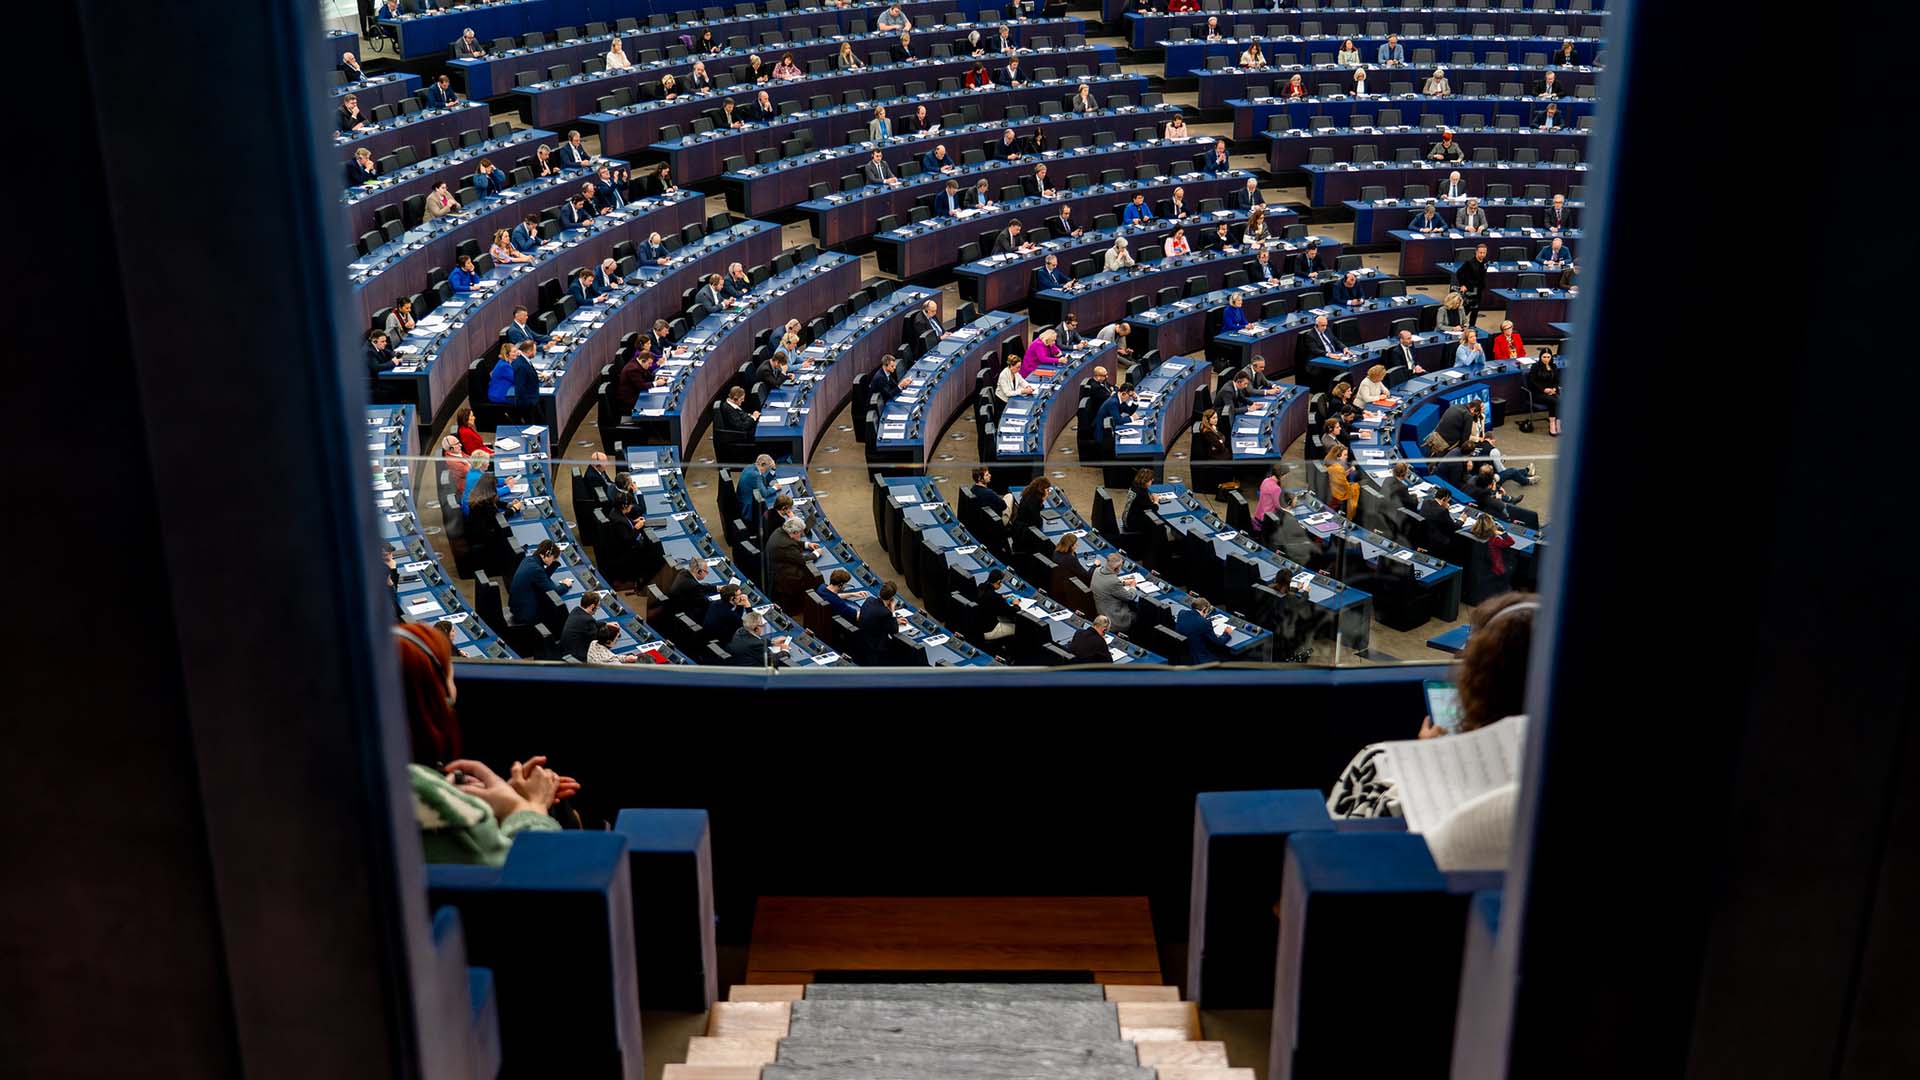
point(1232, 397)
point(1062, 224)
point(1009, 242)
point(1456, 424)
point(1262, 268)
point(1483, 486)
point(577, 633)
point(651, 252)
point(926, 320)
point(606, 190)
point(1287, 536)
point(1217, 164)
point(1248, 197)
point(442, 96)
point(532, 580)
point(1069, 335)
point(1559, 217)
point(1011, 75)
point(772, 372)
point(1548, 86)
point(949, 202)
point(351, 118)
point(877, 171)
point(916, 124)
point(994, 612)
point(379, 353)
point(518, 330)
point(584, 291)
point(979, 197)
point(1436, 518)
point(488, 179)
point(1323, 340)
point(723, 615)
point(1549, 118)
point(350, 67)
point(1397, 491)
point(691, 586)
point(760, 108)
point(884, 382)
point(526, 235)
point(788, 555)
point(1050, 276)
point(877, 625)
point(573, 152)
point(1114, 411)
point(751, 647)
point(1089, 643)
point(1306, 262)
point(1347, 291)
point(1204, 643)
point(577, 213)
point(1037, 183)
point(362, 169)
point(732, 417)
point(467, 46)
point(713, 294)
point(1099, 388)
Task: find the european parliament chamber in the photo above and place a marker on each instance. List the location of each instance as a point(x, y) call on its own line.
point(953, 539)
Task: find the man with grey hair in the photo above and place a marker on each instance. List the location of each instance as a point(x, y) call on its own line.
point(1112, 596)
point(691, 586)
point(1089, 644)
point(756, 488)
point(750, 646)
point(788, 574)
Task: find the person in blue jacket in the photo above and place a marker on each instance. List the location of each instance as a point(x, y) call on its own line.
point(487, 179)
point(1217, 164)
point(1347, 292)
point(1235, 316)
point(526, 235)
point(1137, 210)
point(463, 277)
point(583, 290)
point(531, 580)
point(1113, 412)
point(756, 488)
point(515, 382)
point(834, 591)
point(1204, 643)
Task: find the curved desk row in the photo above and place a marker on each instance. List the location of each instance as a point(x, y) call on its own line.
point(499, 71)
point(1296, 149)
point(1104, 298)
point(1508, 276)
point(523, 466)
point(1432, 350)
point(939, 558)
point(939, 385)
point(431, 362)
point(1191, 323)
point(1245, 640)
point(589, 338)
point(1423, 253)
point(918, 639)
point(1220, 86)
point(847, 215)
point(1535, 311)
point(1028, 424)
point(1408, 586)
point(424, 592)
point(410, 129)
point(1273, 591)
point(364, 202)
point(703, 361)
point(1004, 280)
point(1253, 115)
point(640, 124)
point(766, 189)
point(1330, 185)
point(795, 416)
point(677, 527)
point(700, 154)
point(388, 88)
point(919, 247)
point(399, 267)
point(1145, 30)
point(1379, 221)
point(1163, 407)
point(1280, 341)
point(432, 33)
point(556, 101)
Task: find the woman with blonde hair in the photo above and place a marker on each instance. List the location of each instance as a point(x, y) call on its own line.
point(1118, 257)
point(1256, 229)
point(617, 59)
point(503, 250)
point(1374, 386)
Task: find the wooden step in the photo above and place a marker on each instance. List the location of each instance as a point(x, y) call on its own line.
point(1152, 1021)
point(711, 1072)
point(1170, 1052)
point(771, 992)
point(1170, 1072)
point(757, 1049)
point(749, 1017)
point(1143, 993)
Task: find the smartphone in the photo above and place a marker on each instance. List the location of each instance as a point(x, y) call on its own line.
point(1443, 704)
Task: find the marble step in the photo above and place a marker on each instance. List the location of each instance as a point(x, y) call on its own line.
point(1037, 1023)
point(938, 1067)
point(962, 993)
point(985, 1059)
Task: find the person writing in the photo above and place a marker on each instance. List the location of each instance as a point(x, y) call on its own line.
point(1446, 149)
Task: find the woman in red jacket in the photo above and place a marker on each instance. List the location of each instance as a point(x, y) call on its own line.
point(470, 439)
point(1295, 88)
point(978, 75)
point(1508, 345)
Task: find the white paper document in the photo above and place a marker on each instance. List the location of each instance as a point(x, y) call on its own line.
point(1437, 775)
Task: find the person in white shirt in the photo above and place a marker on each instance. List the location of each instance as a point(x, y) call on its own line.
point(1374, 386)
point(617, 59)
point(1012, 384)
point(1118, 257)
